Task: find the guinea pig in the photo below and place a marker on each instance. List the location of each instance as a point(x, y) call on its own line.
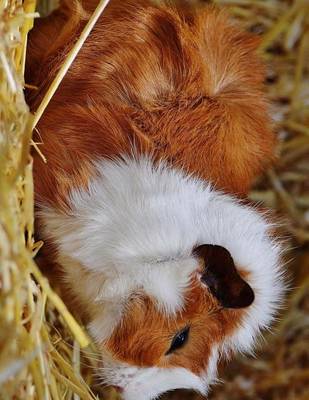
point(152, 142)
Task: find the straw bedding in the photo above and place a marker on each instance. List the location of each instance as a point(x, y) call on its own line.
point(44, 352)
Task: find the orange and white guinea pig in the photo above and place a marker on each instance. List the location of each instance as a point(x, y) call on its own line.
point(152, 142)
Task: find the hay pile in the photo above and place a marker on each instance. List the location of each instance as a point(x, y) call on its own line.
point(40, 342)
point(36, 361)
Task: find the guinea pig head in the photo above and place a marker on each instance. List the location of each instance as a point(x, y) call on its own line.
point(150, 351)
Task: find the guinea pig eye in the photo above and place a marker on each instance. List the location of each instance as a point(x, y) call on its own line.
point(179, 340)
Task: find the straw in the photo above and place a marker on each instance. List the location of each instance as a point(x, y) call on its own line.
point(69, 60)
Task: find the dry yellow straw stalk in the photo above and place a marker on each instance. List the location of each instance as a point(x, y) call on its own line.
point(69, 60)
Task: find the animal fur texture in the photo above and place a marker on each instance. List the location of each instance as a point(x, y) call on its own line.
point(152, 142)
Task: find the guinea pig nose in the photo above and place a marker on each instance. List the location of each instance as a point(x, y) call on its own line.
point(118, 388)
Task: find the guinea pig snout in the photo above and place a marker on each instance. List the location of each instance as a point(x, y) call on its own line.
point(118, 389)
point(222, 278)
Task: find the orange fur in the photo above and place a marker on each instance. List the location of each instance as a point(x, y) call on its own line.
point(143, 336)
point(188, 92)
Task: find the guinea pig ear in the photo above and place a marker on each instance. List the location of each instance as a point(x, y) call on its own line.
point(222, 278)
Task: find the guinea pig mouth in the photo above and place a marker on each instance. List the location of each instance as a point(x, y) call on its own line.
point(118, 389)
point(222, 278)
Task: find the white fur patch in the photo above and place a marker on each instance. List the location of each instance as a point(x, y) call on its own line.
point(149, 383)
point(134, 229)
